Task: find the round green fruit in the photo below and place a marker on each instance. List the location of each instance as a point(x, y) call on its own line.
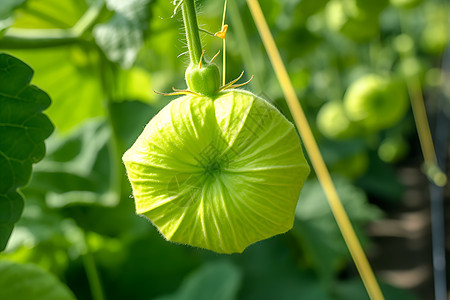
point(434, 38)
point(435, 35)
point(376, 102)
point(412, 67)
point(393, 149)
point(204, 79)
point(218, 173)
point(332, 121)
point(348, 19)
point(404, 44)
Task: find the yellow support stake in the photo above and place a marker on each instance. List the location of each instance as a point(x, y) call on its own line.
point(423, 130)
point(353, 244)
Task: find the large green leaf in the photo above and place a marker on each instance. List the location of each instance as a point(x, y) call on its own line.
point(123, 35)
point(6, 11)
point(24, 282)
point(23, 129)
point(316, 227)
point(71, 75)
point(218, 280)
point(76, 169)
point(49, 13)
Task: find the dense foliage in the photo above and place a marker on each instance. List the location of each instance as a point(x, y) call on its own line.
point(99, 60)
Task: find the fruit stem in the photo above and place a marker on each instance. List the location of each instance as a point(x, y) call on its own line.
point(191, 27)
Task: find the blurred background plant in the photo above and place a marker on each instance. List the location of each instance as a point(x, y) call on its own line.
point(99, 61)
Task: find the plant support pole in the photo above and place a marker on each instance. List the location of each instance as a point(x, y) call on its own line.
point(437, 192)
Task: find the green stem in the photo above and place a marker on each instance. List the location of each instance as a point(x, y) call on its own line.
point(191, 27)
point(37, 38)
point(88, 260)
point(115, 147)
point(244, 46)
point(17, 38)
point(91, 272)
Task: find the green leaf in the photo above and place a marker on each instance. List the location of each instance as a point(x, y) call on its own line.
point(40, 14)
point(218, 280)
point(24, 282)
point(72, 76)
point(76, 169)
point(316, 227)
point(122, 36)
point(6, 11)
point(23, 129)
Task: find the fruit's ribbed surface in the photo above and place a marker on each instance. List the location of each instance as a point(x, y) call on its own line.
point(218, 174)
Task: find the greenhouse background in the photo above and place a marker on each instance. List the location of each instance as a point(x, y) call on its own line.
point(372, 78)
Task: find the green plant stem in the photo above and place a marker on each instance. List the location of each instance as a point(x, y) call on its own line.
point(191, 27)
point(244, 46)
point(92, 272)
point(37, 38)
point(115, 147)
point(88, 259)
point(17, 38)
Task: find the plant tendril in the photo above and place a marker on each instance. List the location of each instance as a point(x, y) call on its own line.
point(177, 7)
point(214, 57)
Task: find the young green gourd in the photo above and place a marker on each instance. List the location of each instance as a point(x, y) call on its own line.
point(376, 102)
point(217, 168)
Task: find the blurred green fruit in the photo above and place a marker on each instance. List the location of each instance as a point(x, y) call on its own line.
point(404, 44)
point(376, 102)
point(348, 19)
point(392, 149)
point(332, 121)
point(434, 38)
point(412, 67)
point(405, 3)
point(435, 35)
point(434, 77)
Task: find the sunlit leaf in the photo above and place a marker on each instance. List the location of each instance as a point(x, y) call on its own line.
point(23, 129)
point(23, 282)
point(6, 11)
point(134, 84)
point(122, 36)
point(49, 13)
point(76, 169)
point(71, 75)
